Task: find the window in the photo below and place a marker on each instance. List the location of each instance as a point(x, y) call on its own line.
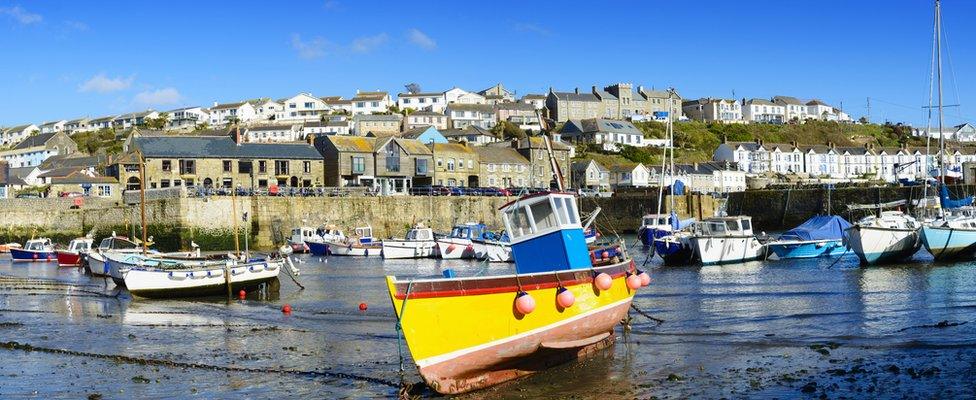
point(421, 166)
point(358, 165)
point(440, 163)
point(407, 101)
point(307, 167)
point(309, 105)
point(228, 183)
point(104, 191)
point(375, 104)
point(361, 104)
point(281, 167)
point(164, 183)
point(392, 157)
point(450, 164)
point(245, 167)
point(167, 165)
point(262, 167)
point(263, 183)
point(543, 216)
point(518, 222)
point(227, 166)
point(188, 167)
point(292, 105)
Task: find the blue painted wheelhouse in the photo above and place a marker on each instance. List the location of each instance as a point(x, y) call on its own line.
point(546, 233)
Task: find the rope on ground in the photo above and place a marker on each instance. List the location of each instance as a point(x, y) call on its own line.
point(288, 271)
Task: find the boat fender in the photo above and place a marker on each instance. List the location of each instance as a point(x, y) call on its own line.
point(564, 297)
point(35, 256)
point(603, 281)
point(644, 277)
point(524, 303)
point(450, 248)
point(633, 281)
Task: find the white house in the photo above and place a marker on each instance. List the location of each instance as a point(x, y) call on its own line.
point(523, 115)
point(758, 157)
point(463, 115)
point(302, 107)
point(186, 118)
point(126, 121)
point(713, 110)
point(53, 126)
point(101, 123)
point(274, 133)
point(763, 111)
point(425, 118)
point(711, 176)
point(963, 132)
point(433, 102)
point(460, 96)
point(630, 175)
point(337, 104)
point(266, 109)
point(14, 135)
point(536, 100)
point(473, 135)
point(609, 134)
point(794, 109)
point(77, 125)
point(817, 109)
point(371, 102)
point(223, 114)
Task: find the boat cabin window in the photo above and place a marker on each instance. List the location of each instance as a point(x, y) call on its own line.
point(715, 228)
point(543, 216)
point(35, 245)
point(746, 225)
point(296, 232)
point(518, 222)
point(364, 232)
point(418, 234)
point(732, 225)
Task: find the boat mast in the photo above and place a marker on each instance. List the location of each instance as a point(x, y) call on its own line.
point(556, 173)
point(142, 197)
point(938, 57)
point(671, 139)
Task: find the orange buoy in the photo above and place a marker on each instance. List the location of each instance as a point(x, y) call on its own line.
point(603, 281)
point(644, 277)
point(564, 297)
point(633, 282)
point(286, 309)
point(524, 303)
point(363, 307)
point(242, 294)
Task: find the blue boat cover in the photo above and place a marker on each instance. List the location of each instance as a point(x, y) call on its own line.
point(678, 188)
point(948, 202)
point(678, 223)
point(819, 227)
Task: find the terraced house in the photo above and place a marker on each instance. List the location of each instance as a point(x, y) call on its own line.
point(502, 167)
point(455, 164)
point(218, 161)
point(387, 166)
point(34, 150)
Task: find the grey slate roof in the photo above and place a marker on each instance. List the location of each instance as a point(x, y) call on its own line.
point(264, 128)
point(220, 147)
point(787, 100)
point(377, 117)
point(33, 141)
point(573, 96)
point(762, 102)
point(516, 106)
point(600, 125)
point(499, 155)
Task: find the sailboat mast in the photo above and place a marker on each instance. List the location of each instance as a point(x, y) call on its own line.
point(671, 140)
point(142, 198)
point(938, 57)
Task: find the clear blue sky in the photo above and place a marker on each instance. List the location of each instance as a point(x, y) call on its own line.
point(71, 59)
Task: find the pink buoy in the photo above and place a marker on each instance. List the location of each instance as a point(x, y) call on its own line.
point(605, 255)
point(633, 282)
point(564, 297)
point(644, 277)
point(35, 256)
point(450, 248)
point(603, 281)
point(524, 303)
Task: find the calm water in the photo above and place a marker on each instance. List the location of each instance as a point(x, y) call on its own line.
point(761, 329)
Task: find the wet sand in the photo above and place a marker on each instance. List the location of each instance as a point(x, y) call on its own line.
point(762, 329)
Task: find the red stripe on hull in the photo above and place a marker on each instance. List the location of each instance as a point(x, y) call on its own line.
point(523, 356)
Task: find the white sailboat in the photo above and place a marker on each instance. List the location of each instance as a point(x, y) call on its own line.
point(891, 236)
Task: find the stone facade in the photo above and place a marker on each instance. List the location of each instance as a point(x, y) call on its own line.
point(455, 164)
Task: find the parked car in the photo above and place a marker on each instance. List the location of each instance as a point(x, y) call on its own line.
point(28, 196)
point(71, 194)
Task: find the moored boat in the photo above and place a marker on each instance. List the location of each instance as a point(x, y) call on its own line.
point(723, 240)
point(676, 248)
point(653, 226)
point(493, 247)
point(360, 244)
point(460, 242)
point(98, 265)
point(299, 236)
point(5, 248)
point(152, 277)
point(39, 249)
point(317, 244)
point(562, 303)
point(953, 235)
point(418, 243)
point(72, 256)
point(891, 236)
point(819, 236)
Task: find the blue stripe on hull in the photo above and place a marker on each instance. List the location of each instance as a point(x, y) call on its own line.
point(318, 249)
point(28, 255)
point(833, 248)
point(950, 244)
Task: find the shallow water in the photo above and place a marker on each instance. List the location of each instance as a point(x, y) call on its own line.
point(760, 329)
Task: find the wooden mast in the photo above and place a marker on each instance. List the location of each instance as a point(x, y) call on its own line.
point(142, 198)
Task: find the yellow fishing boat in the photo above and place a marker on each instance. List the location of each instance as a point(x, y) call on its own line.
point(563, 302)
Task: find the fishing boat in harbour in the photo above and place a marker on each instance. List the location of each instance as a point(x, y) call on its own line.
point(317, 244)
point(96, 261)
point(819, 236)
point(418, 243)
point(360, 244)
point(676, 248)
point(653, 226)
point(77, 248)
point(459, 243)
point(299, 236)
point(159, 277)
point(581, 298)
point(890, 236)
point(40, 249)
point(723, 240)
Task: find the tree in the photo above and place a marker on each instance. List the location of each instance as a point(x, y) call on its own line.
point(507, 130)
point(157, 123)
point(412, 88)
point(393, 109)
point(863, 120)
point(201, 126)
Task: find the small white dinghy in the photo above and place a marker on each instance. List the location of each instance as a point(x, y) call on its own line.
point(167, 278)
point(722, 240)
point(419, 243)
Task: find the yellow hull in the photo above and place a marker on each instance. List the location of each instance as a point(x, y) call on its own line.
point(465, 333)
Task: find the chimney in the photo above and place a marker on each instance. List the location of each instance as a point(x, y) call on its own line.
point(594, 89)
point(215, 104)
point(576, 90)
point(237, 134)
point(794, 144)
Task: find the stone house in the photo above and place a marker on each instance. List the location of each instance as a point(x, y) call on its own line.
point(630, 175)
point(502, 167)
point(533, 148)
point(590, 174)
point(455, 164)
point(33, 150)
point(659, 106)
point(378, 124)
point(523, 115)
point(84, 181)
point(564, 106)
point(389, 166)
point(218, 161)
point(610, 135)
point(620, 101)
point(713, 110)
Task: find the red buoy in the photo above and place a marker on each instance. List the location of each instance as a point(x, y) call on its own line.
point(286, 309)
point(241, 294)
point(362, 307)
